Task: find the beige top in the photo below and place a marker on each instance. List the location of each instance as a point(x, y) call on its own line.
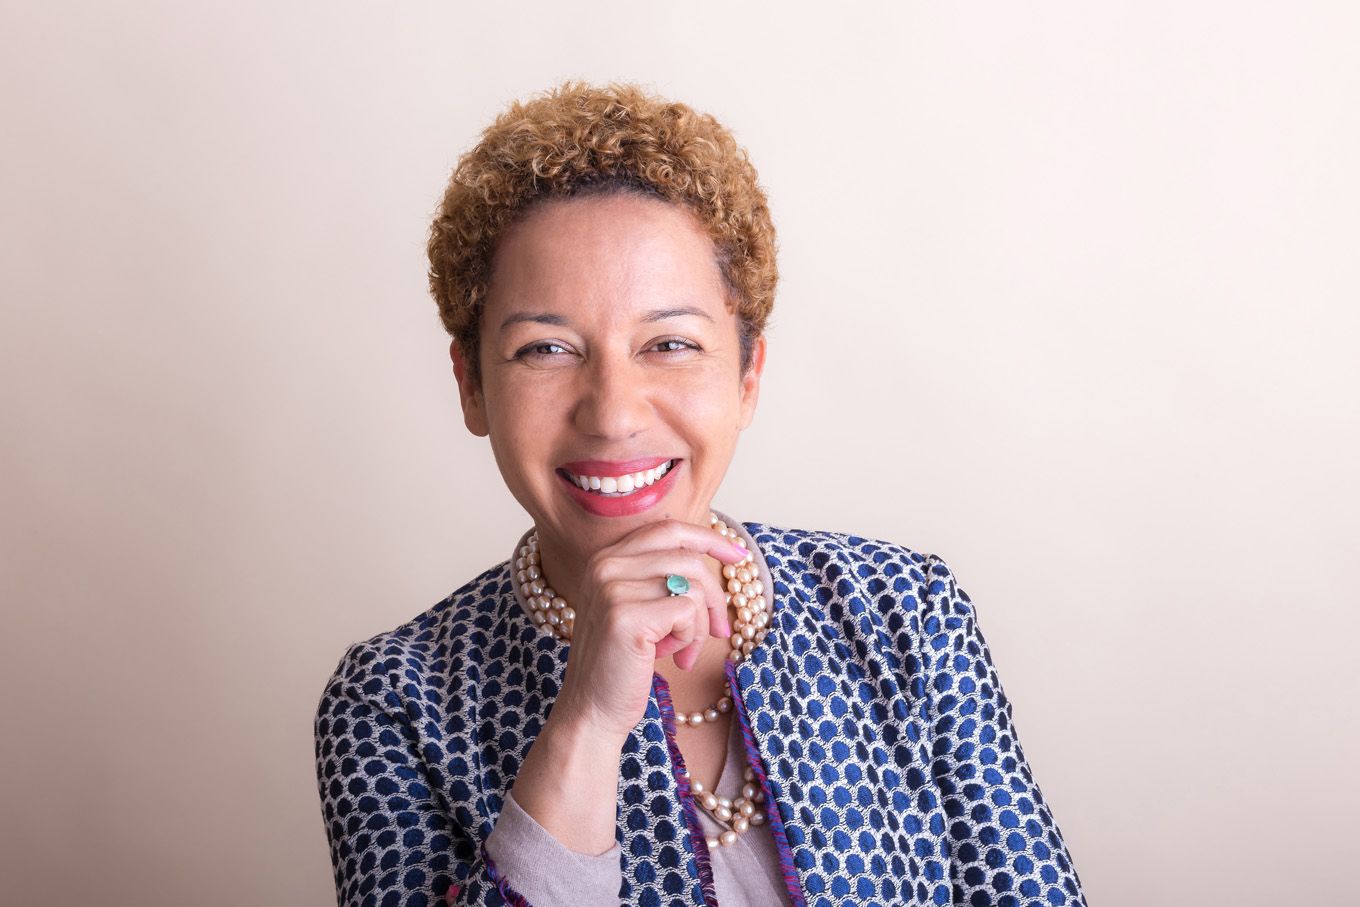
point(548, 874)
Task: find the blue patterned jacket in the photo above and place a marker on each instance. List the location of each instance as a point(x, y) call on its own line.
point(872, 705)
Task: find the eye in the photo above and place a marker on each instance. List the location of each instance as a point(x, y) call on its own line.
point(535, 350)
point(681, 345)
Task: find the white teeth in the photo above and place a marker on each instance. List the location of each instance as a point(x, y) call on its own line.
point(626, 484)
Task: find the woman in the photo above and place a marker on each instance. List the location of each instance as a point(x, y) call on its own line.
point(650, 702)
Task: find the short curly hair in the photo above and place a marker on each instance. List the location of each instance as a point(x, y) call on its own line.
point(578, 140)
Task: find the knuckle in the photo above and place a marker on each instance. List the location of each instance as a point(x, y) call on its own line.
point(609, 593)
point(601, 565)
point(616, 621)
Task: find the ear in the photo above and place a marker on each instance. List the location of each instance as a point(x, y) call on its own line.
point(750, 382)
point(474, 404)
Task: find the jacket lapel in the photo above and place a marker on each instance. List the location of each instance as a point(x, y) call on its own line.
point(821, 699)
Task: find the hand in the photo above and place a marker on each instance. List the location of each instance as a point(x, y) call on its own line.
point(628, 621)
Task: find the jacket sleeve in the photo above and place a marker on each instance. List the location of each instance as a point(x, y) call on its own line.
point(1004, 840)
point(393, 838)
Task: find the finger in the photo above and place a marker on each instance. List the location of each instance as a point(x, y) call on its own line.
point(650, 568)
point(672, 533)
point(686, 658)
point(683, 629)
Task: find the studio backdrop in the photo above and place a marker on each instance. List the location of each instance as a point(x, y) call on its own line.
point(1067, 298)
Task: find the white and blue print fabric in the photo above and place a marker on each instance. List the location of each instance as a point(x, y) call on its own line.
point(872, 706)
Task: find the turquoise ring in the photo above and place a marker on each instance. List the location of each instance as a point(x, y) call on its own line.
point(676, 584)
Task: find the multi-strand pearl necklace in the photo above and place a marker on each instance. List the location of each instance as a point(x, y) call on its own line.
point(745, 594)
point(738, 815)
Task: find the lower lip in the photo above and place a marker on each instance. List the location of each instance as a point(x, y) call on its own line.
point(627, 505)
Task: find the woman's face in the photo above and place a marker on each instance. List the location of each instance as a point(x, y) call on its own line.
point(608, 349)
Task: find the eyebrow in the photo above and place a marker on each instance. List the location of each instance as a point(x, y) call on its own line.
point(553, 318)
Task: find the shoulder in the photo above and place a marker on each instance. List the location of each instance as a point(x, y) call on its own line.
point(461, 625)
point(829, 556)
point(840, 572)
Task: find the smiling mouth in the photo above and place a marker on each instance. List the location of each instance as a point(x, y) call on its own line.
point(620, 486)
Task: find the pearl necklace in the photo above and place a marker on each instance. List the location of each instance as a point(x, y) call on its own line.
point(738, 815)
point(745, 594)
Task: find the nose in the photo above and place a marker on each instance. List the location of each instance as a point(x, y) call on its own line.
point(614, 401)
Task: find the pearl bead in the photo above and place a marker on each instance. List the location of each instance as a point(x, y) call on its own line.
point(740, 824)
point(695, 787)
point(757, 818)
point(696, 718)
point(723, 813)
point(728, 838)
point(711, 714)
point(712, 843)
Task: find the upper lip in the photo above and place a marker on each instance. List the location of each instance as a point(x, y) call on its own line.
point(603, 468)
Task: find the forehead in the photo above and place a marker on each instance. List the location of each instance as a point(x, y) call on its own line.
point(606, 254)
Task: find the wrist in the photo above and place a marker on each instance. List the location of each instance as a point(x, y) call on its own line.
point(569, 783)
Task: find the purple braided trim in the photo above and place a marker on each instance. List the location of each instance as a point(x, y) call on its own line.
point(511, 895)
point(696, 832)
point(781, 840)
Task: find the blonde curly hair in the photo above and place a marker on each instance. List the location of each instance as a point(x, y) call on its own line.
point(577, 140)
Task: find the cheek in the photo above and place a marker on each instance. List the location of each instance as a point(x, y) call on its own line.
point(706, 411)
point(517, 431)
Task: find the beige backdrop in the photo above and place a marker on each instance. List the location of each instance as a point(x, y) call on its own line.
point(1069, 299)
